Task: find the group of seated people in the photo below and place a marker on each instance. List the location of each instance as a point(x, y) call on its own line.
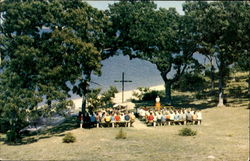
point(111, 117)
point(169, 116)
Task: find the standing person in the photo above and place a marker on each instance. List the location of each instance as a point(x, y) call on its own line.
point(157, 103)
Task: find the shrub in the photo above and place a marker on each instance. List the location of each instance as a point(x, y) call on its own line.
point(69, 138)
point(190, 82)
point(12, 136)
point(4, 125)
point(141, 91)
point(200, 95)
point(151, 95)
point(121, 134)
point(187, 132)
point(237, 92)
point(145, 94)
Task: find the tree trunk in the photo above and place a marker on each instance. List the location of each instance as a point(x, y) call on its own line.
point(211, 74)
point(84, 100)
point(221, 101)
point(249, 90)
point(212, 79)
point(84, 89)
point(168, 92)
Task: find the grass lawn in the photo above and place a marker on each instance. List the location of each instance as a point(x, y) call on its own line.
point(223, 135)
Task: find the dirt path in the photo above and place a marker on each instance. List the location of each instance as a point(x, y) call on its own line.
point(139, 125)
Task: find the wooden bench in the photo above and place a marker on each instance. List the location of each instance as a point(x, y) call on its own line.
point(172, 122)
point(196, 121)
point(115, 123)
point(153, 123)
point(180, 122)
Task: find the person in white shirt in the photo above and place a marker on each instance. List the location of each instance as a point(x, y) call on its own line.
point(172, 116)
point(176, 116)
point(122, 117)
point(199, 116)
point(142, 113)
point(192, 111)
point(184, 116)
point(159, 115)
point(155, 117)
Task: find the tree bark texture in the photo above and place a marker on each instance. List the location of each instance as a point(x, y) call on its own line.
point(221, 83)
point(212, 79)
point(168, 92)
point(249, 90)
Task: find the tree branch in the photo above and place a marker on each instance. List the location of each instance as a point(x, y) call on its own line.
point(179, 73)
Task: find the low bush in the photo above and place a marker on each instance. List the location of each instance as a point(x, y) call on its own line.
point(4, 125)
point(141, 91)
point(151, 95)
point(121, 134)
point(190, 82)
point(200, 95)
point(12, 136)
point(187, 132)
point(69, 138)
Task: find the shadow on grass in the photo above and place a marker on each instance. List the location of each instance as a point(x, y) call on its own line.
point(183, 101)
point(2, 139)
point(143, 103)
point(200, 106)
point(69, 124)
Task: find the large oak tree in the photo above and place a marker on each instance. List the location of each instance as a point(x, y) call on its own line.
point(161, 37)
point(45, 44)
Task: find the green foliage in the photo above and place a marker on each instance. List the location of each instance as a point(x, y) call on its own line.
point(151, 95)
point(93, 98)
point(96, 99)
point(69, 138)
point(121, 134)
point(236, 92)
point(12, 136)
point(190, 82)
point(141, 92)
point(200, 95)
point(156, 36)
point(223, 34)
point(187, 132)
point(107, 96)
point(4, 125)
point(45, 44)
point(145, 94)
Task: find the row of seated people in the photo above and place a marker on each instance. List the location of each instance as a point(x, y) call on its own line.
point(111, 118)
point(170, 116)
